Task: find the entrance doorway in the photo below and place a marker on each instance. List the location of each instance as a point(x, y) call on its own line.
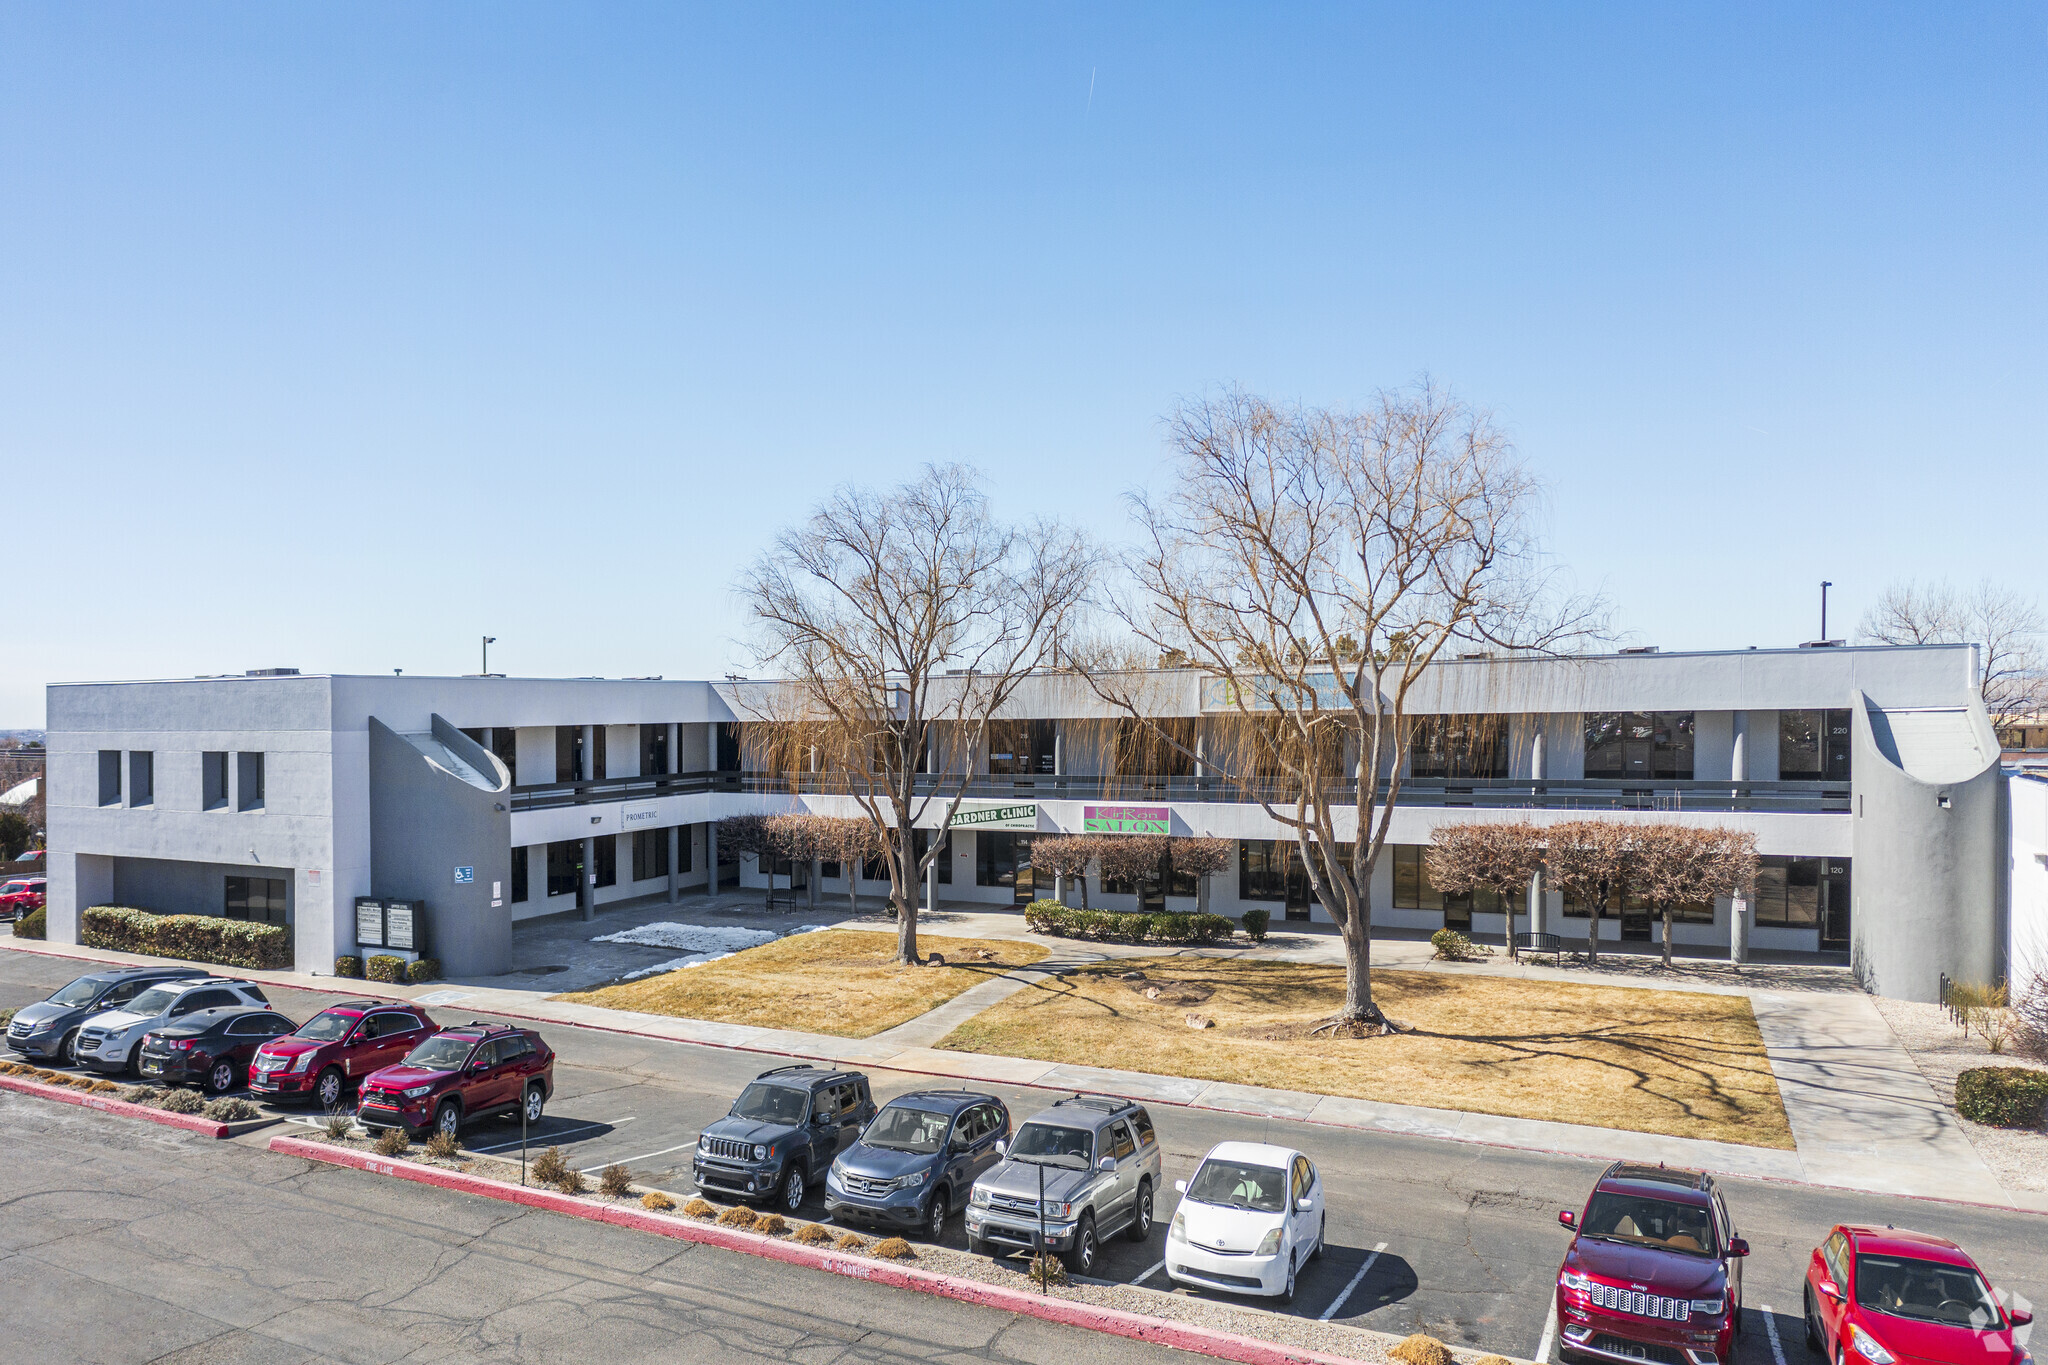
point(1834, 907)
point(1002, 858)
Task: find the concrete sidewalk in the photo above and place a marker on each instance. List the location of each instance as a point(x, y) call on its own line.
point(1862, 1115)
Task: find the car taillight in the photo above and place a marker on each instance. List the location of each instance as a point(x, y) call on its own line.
point(182, 1045)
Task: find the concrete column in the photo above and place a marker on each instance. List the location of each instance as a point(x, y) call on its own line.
point(1538, 899)
point(675, 860)
point(1059, 749)
point(1539, 759)
point(589, 753)
point(1738, 756)
point(675, 757)
point(711, 857)
point(1740, 908)
point(588, 890)
point(931, 881)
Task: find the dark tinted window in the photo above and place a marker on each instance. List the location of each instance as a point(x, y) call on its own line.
point(1926, 1291)
point(1621, 1217)
point(252, 1026)
point(765, 1103)
point(83, 991)
point(327, 1027)
point(1144, 1126)
point(210, 998)
point(1122, 1144)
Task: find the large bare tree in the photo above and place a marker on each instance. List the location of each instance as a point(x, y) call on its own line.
point(2006, 622)
point(1315, 563)
point(903, 620)
point(1497, 856)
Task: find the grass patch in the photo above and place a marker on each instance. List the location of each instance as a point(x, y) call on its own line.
point(1678, 1062)
point(838, 981)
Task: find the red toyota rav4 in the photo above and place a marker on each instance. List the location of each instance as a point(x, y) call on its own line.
point(459, 1074)
point(341, 1044)
point(1654, 1273)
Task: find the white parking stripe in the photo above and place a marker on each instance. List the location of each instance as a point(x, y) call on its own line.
point(648, 1156)
point(1549, 1342)
point(1771, 1329)
point(1150, 1273)
point(537, 1138)
point(1331, 1311)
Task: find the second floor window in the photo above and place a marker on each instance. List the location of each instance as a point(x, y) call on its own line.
point(1813, 746)
point(248, 781)
point(1638, 744)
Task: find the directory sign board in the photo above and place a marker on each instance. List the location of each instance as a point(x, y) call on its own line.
point(994, 815)
point(369, 922)
point(401, 926)
point(1127, 819)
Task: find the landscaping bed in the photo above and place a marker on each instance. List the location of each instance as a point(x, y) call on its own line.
point(2018, 1157)
point(176, 1107)
point(1682, 1063)
point(843, 982)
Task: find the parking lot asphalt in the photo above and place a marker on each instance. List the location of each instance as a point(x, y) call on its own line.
point(1454, 1239)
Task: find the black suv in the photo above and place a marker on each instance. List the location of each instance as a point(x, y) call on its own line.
point(782, 1133)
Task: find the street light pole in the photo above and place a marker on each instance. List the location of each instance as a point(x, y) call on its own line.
point(1824, 586)
point(490, 640)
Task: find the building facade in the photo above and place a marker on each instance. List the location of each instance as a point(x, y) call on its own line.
point(1870, 777)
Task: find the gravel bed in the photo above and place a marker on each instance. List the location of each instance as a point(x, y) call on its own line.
point(2018, 1157)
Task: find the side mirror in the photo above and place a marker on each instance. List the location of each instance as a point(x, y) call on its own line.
point(1107, 1163)
point(1002, 1147)
point(1180, 1187)
point(2020, 1317)
point(1304, 1204)
point(1831, 1289)
point(1568, 1218)
point(1737, 1247)
point(480, 1068)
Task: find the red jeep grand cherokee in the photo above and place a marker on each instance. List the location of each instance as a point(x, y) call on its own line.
point(1875, 1296)
point(459, 1074)
point(1654, 1273)
point(340, 1044)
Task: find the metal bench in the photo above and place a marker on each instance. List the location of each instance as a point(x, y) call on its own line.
point(1540, 943)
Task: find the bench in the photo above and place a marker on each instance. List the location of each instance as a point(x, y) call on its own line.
point(1540, 943)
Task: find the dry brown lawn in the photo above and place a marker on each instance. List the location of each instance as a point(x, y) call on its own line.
point(1676, 1062)
point(838, 981)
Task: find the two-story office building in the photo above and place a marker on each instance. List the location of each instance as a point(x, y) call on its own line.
point(1869, 776)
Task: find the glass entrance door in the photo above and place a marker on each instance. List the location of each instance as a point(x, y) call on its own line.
point(1834, 906)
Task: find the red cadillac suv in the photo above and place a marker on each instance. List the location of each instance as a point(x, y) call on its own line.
point(1655, 1272)
point(339, 1045)
point(459, 1074)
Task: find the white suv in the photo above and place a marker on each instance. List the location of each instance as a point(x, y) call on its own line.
point(109, 1042)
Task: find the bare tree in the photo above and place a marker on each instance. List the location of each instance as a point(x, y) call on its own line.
point(1067, 857)
point(1202, 857)
point(1316, 563)
point(1592, 861)
point(2004, 621)
point(1497, 856)
point(1130, 857)
point(904, 620)
point(1676, 865)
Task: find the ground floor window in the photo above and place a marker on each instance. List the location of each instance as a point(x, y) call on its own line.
point(1156, 884)
point(1272, 870)
point(795, 872)
point(1629, 906)
point(256, 898)
point(1414, 891)
point(1803, 893)
point(650, 854)
point(565, 867)
point(1002, 858)
point(920, 840)
point(518, 875)
point(607, 850)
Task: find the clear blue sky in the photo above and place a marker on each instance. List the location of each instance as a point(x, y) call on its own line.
point(336, 336)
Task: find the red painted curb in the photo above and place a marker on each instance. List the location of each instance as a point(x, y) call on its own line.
point(65, 1095)
point(1134, 1326)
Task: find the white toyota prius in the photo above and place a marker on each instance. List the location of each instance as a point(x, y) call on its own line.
point(1248, 1221)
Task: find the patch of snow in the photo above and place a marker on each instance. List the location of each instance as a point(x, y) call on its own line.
point(675, 964)
point(695, 939)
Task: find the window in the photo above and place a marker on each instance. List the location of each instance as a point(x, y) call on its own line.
point(1458, 746)
point(213, 781)
point(1156, 883)
point(1002, 858)
point(518, 875)
point(1813, 746)
point(1157, 748)
point(569, 753)
point(1626, 744)
point(505, 744)
point(920, 840)
point(141, 777)
point(261, 899)
point(1413, 891)
point(210, 999)
point(565, 867)
point(607, 859)
point(248, 781)
point(1797, 893)
point(728, 746)
point(683, 849)
point(1262, 869)
point(1020, 747)
point(1121, 1143)
point(653, 750)
point(110, 777)
point(1144, 1126)
point(650, 854)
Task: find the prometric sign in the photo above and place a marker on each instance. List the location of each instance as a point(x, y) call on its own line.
point(1126, 819)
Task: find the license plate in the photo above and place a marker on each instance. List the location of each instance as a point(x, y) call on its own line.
point(151, 1066)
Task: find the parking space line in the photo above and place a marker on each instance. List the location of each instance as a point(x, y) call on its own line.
point(1150, 1273)
point(1771, 1329)
point(1331, 1311)
point(544, 1137)
point(648, 1156)
point(1549, 1341)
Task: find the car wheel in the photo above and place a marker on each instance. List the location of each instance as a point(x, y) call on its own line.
point(1081, 1260)
point(448, 1118)
point(1813, 1343)
point(328, 1089)
point(535, 1100)
point(1141, 1221)
point(976, 1246)
point(220, 1077)
point(1315, 1253)
point(793, 1188)
point(1287, 1290)
point(67, 1051)
point(935, 1222)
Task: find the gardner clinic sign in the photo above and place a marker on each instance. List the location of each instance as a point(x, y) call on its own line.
point(1126, 820)
point(1023, 816)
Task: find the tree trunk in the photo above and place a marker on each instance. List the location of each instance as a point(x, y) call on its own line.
point(1667, 933)
point(904, 890)
point(1593, 930)
point(1084, 888)
point(852, 891)
point(1358, 1002)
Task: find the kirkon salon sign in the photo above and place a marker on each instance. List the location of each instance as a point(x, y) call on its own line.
point(1126, 820)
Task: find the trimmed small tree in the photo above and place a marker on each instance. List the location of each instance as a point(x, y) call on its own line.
point(1591, 861)
point(1202, 857)
point(1066, 856)
point(1131, 857)
point(1490, 855)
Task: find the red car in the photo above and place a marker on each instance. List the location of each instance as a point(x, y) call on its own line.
point(459, 1074)
point(1654, 1272)
point(339, 1045)
point(1875, 1296)
point(22, 895)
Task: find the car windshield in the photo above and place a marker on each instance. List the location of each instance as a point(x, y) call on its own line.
point(1046, 1139)
point(1926, 1291)
point(80, 992)
point(771, 1103)
point(1240, 1185)
point(327, 1027)
point(12, 887)
point(155, 1000)
point(440, 1054)
point(1649, 1221)
point(904, 1129)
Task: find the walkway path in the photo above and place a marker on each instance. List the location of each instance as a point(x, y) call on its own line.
point(1861, 1113)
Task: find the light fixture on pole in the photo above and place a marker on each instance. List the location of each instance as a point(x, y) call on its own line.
point(1824, 586)
point(490, 640)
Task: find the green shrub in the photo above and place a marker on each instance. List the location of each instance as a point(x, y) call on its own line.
point(1044, 917)
point(2003, 1096)
point(384, 967)
point(1255, 922)
point(1209, 928)
point(6, 1016)
point(350, 967)
point(232, 1109)
point(182, 1102)
point(32, 925)
point(1452, 946)
point(1127, 926)
point(426, 969)
point(194, 938)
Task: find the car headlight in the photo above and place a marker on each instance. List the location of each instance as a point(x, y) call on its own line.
point(760, 1152)
point(43, 1027)
point(703, 1141)
point(1710, 1306)
point(1179, 1231)
point(913, 1180)
point(978, 1196)
point(1270, 1243)
point(416, 1091)
point(838, 1171)
point(1867, 1346)
point(302, 1061)
point(1572, 1279)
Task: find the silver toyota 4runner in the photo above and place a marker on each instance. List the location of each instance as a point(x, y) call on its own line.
point(1099, 1159)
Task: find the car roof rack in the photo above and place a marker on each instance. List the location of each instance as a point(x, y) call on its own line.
point(1660, 1174)
point(1108, 1104)
point(795, 1066)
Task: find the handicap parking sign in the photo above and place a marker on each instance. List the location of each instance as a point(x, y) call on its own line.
point(465, 875)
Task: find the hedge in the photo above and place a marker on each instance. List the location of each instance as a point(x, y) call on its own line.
point(350, 967)
point(1050, 917)
point(195, 938)
point(32, 925)
point(423, 969)
point(384, 967)
point(2003, 1096)
point(1255, 922)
